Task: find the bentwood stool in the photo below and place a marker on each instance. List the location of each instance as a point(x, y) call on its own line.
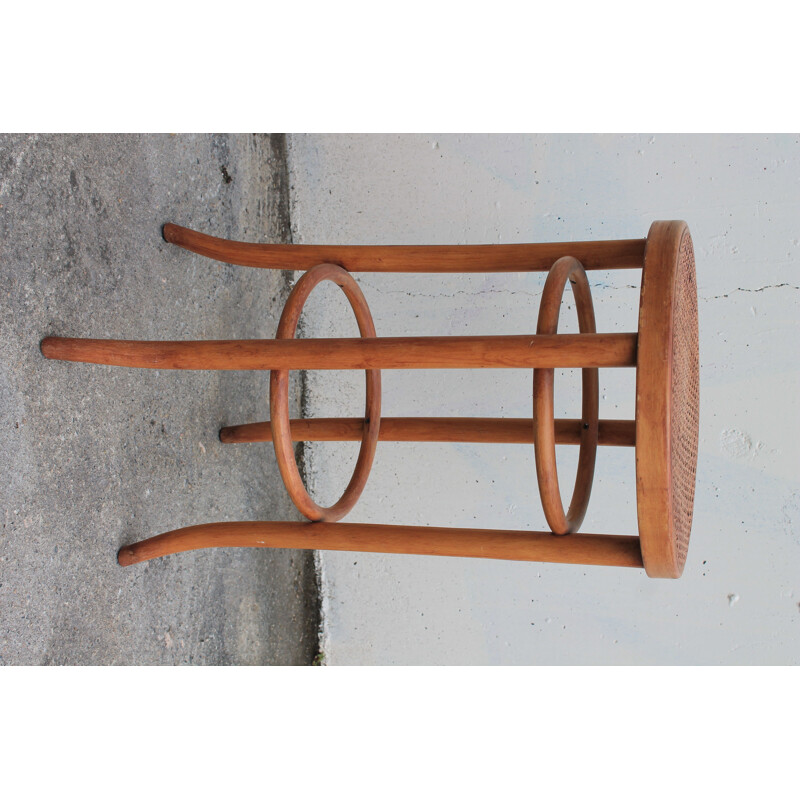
point(664, 353)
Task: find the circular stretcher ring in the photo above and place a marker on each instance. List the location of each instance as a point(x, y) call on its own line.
point(567, 268)
point(279, 398)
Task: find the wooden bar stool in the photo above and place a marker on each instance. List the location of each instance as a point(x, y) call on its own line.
point(664, 353)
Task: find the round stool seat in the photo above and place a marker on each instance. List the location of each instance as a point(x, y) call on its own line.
point(667, 399)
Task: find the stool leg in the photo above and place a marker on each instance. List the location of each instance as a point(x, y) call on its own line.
point(599, 549)
point(563, 350)
point(616, 254)
point(613, 432)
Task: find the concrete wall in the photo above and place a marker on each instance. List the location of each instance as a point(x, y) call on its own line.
point(738, 601)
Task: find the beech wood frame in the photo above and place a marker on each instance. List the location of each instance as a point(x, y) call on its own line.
point(543, 352)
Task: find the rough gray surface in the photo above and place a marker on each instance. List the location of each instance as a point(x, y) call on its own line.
point(93, 457)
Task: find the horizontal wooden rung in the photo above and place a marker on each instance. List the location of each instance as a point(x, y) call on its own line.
point(613, 432)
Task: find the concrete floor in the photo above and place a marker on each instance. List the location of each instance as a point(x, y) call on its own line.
point(93, 457)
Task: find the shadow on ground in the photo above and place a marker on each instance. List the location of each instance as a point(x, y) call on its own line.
point(94, 457)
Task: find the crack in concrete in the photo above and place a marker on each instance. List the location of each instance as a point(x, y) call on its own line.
point(759, 289)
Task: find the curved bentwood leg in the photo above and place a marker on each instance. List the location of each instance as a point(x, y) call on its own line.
point(597, 549)
point(486, 430)
point(539, 257)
